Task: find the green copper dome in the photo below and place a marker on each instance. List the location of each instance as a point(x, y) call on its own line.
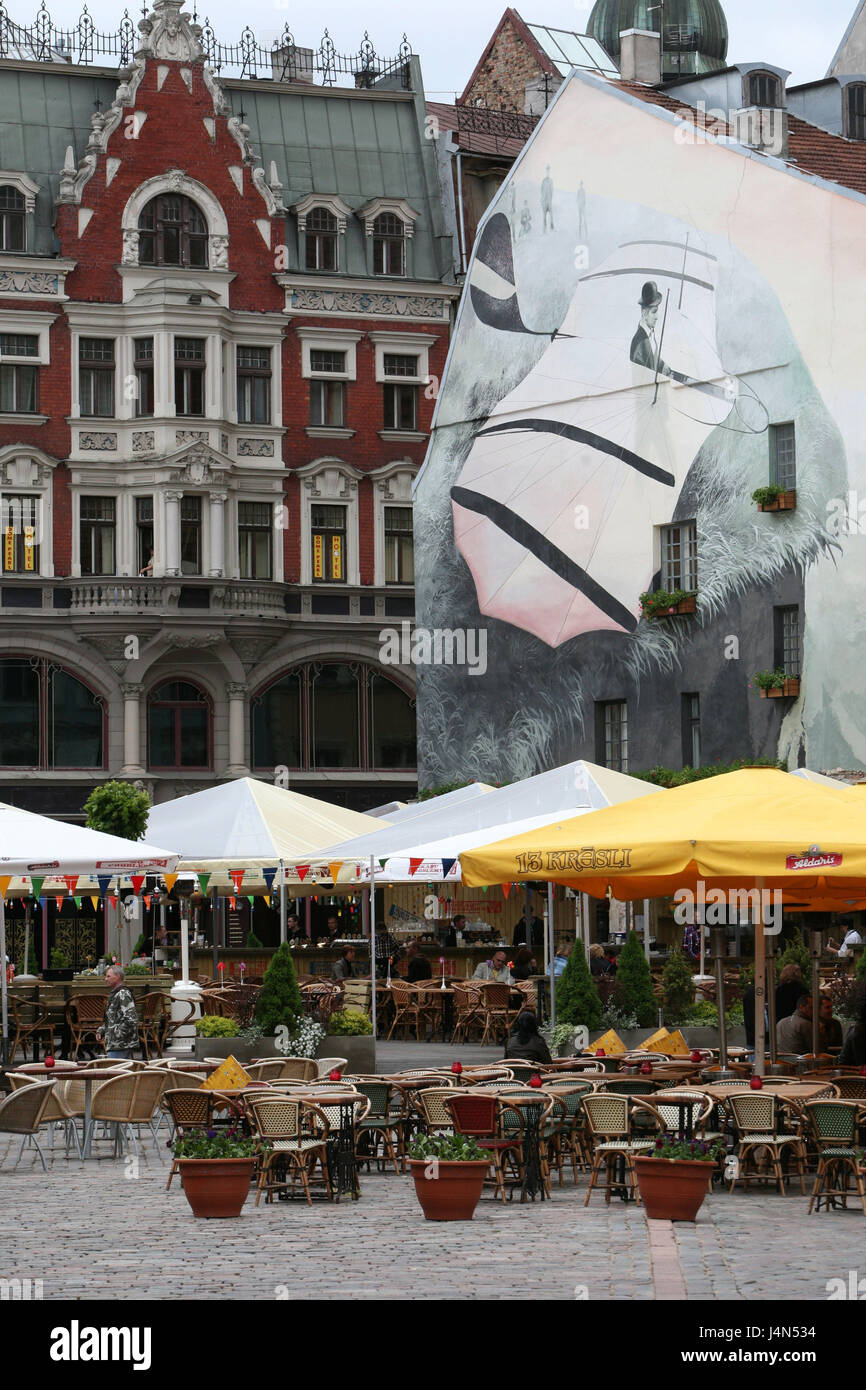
point(695, 37)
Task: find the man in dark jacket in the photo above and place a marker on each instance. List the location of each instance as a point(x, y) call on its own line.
point(789, 990)
point(419, 968)
point(529, 933)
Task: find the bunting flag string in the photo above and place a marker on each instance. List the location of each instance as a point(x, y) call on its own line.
point(414, 865)
point(137, 882)
point(269, 875)
point(233, 902)
point(268, 899)
point(36, 882)
point(382, 863)
point(95, 901)
point(203, 881)
point(169, 880)
point(334, 869)
point(4, 885)
point(506, 888)
point(302, 870)
point(71, 881)
point(59, 901)
point(447, 866)
point(77, 902)
point(147, 899)
point(237, 878)
point(103, 880)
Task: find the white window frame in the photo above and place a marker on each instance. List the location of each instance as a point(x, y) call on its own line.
point(16, 460)
point(392, 487)
point(333, 204)
point(406, 345)
point(330, 481)
point(329, 340)
point(96, 488)
point(660, 554)
point(234, 547)
point(28, 189)
point(233, 345)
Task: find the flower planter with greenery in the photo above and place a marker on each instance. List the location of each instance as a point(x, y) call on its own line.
point(775, 498)
point(223, 1037)
point(350, 1035)
point(215, 1170)
point(59, 965)
point(776, 685)
point(674, 1177)
point(449, 1173)
point(665, 604)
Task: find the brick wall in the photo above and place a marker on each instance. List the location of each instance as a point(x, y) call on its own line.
point(503, 76)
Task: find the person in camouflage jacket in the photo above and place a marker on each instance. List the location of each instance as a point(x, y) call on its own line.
point(120, 1024)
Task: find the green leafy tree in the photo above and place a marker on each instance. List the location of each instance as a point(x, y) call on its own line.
point(279, 999)
point(577, 998)
point(796, 952)
point(678, 987)
point(253, 940)
point(118, 808)
point(32, 963)
point(860, 972)
point(634, 984)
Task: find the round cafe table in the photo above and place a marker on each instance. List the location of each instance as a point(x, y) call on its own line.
point(86, 1074)
point(785, 1088)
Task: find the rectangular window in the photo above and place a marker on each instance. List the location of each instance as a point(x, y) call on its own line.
point(254, 386)
point(328, 403)
point(401, 407)
point(12, 223)
point(189, 376)
point(144, 534)
point(787, 640)
point(96, 377)
point(327, 361)
point(400, 364)
point(783, 457)
point(255, 520)
point(857, 111)
point(679, 557)
point(190, 535)
point(19, 345)
point(691, 716)
point(97, 528)
point(19, 519)
point(389, 253)
point(399, 546)
point(321, 250)
point(329, 544)
point(611, 734)
point(18, 389)
point(143, 376)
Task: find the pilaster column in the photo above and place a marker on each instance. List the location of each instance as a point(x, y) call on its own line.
point(131, 731)
point(237, 698)
point(172, 532)
point(217, 534)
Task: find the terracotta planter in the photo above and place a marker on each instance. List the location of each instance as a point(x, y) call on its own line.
point(682, 609)
point(452, 1189)
point(775, 692)
point(216, 1186)
point(792, 687)
point(787, 502)
point(672, 1189)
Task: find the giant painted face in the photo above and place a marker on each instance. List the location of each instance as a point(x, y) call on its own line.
point(555, 506)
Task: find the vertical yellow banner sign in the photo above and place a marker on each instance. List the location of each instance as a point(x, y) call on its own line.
point(318, 557)
point(29, 548)
point(9, 549)
point(336, 557)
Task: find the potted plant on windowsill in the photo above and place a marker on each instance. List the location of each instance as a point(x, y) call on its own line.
point(449, 1172)
point(776, 685)
point(775, 498)
point(668, 604)
point(215, 1170)
point(674, 1177)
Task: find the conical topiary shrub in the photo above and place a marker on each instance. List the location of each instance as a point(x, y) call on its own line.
point(279, 1000)
point(577, 998)
point(634, 984)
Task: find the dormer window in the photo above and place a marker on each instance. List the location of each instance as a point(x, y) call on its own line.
point(855, 111)
point(389, 245)
point(763, 89)
point(12, 213)
point(172, 231)
point(321, 240)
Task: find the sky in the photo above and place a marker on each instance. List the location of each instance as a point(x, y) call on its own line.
point(449, 36)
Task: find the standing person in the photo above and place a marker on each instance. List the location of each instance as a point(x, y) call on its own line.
point(120, 1023)
point(528, 932)
point(332, 930)
point(788, 990)
point(850, 937)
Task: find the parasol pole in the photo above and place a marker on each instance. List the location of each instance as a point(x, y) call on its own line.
point(284, 905)
point(373, 942)
point(646, 929)
point(771, 995)
point(760, 983)
point(549, 950)
point(26, 971)
point(817, 944)
point(718, 940)
point(586, 924)
point(214, 911)
point(4, 1048)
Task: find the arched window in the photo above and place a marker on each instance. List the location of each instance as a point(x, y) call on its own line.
point(856, 111)
point(764, 89)
point(321, 239)
point(172, 231)
point(51, 719)
point(12, 209)
point(333, 715)
point(389, 245)
point(178, 727)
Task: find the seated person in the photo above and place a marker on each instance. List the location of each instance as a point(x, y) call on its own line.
point(524, 964)
point(525, 1042)
point(343, 968)
point(495, 969)
point(831, 1029)
point(419, 967)
point(794, 1034)
point(560, 960)
point(598, 962)
point(788, 990)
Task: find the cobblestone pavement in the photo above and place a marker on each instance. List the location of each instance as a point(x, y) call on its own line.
point(107, 1229)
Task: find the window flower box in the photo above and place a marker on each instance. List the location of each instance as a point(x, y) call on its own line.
point(776, 685)
point(775, 499)
point(662, 604)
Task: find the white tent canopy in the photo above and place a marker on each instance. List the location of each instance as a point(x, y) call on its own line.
point(31, 844)
point(247, 824)
point(821, 779)
point(576, 787)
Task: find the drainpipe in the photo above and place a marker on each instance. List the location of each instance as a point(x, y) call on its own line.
point(462, 225)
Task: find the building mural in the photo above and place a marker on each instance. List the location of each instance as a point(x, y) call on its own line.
point(658, 341)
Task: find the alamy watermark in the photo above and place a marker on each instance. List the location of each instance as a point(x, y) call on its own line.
point(437, 646)
point(714, 907)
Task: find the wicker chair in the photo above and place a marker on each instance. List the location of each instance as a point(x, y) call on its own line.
point(411, 1009)
point(23, 1112)
point(833, 1125)
point(30, 1021)
point(480, 1076)
point(631, 1086)
point(609, 1132)
point(84, 1016)
point(189, 1110)
point(572, 1124)
point(126, 1101)
point(475, 1115)
point(382, 1121)
point(467, 1009)
point(755, 1120)
point(850, 1087)
point(434, 1112)
point(292, 1134)
point(496, 1011)
point(109, 1064)
point(268, 1070)
point(297, 1069)
point(326, 1064)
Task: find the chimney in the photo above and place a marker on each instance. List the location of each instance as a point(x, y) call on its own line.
point(763, 128)
point(640, 58)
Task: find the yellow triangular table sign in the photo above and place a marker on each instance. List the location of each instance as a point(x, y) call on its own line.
point(610, 1041)
point(676, 1045)
point(229, 1075)
point(656, 1043)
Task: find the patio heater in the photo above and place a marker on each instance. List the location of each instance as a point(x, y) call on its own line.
point(718, 937)
point(771, 994)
